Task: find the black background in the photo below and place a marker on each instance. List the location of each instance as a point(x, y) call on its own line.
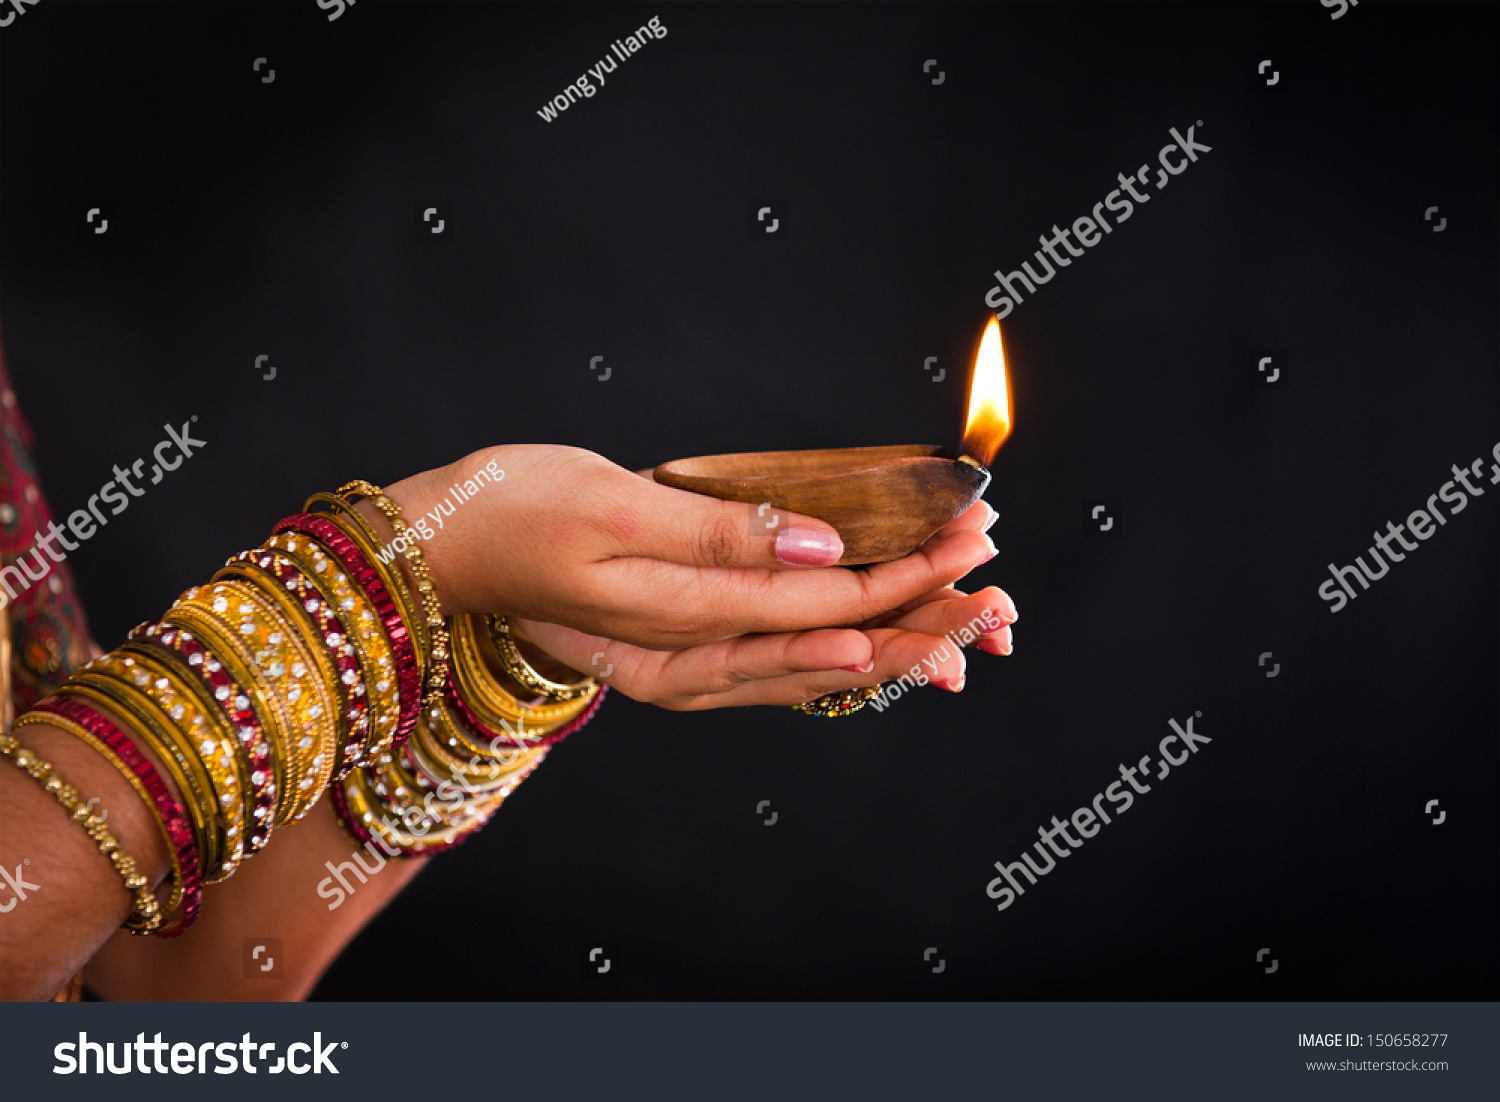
point(251, 218)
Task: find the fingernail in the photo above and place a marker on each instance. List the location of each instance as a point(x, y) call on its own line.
point(1009, 642)
point(809, 547)
point(994, 516)
point(860, 669)
point(989, 645)
point(952, 686)
point(993, 551)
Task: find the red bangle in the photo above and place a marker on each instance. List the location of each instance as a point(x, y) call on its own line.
point(230, 697)
point(359, 570)
point(330, 632)
point(174, 820)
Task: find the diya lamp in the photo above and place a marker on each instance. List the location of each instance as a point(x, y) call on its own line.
point(884, 502)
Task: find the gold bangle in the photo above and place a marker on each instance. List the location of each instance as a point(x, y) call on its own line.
point(291, 613)
point(147, 913)
point(297, 708)
point(490, 702)
point(362, 630)
point(84, 735)
point(204, 728)
point(360, 793)
point(524, 673)
point(362, 534)
point(270, 710)
point(126, 698)
point(842, 703)
point(441, 757)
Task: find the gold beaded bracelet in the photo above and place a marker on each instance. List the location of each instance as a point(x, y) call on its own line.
point(437, 632)
point(146, 915)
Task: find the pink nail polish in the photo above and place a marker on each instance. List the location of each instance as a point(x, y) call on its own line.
point(989, 645)
point(994, 516)
point(860, 669)
point(808, 547)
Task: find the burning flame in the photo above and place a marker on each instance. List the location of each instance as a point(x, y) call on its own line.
point(989, 399)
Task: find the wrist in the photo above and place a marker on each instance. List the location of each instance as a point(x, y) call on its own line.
point(433, 497)
point(440, 507)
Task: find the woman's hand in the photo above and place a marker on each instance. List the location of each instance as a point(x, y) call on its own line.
point(793, 667)
point(568, 538)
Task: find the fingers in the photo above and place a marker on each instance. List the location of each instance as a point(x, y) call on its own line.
point(978, 517)
point(604, 659)
point(674, 678)
point(718, 668)
point(982, 620)
point(919, 659)
point(786, 668)
point(886, 619)
point(796, 600)
point(977, 615)
point(659, 522)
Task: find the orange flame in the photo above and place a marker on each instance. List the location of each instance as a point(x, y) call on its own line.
point(989, 399)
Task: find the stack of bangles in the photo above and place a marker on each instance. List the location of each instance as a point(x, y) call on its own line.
point(308, 664)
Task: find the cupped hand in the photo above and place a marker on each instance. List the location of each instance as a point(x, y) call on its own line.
point(567, 538)
point(794, 667)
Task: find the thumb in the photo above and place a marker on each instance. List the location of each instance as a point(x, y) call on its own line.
point(695, 530)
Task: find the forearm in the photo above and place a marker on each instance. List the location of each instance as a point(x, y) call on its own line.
point(275, 898)
point(311, 889)
point(290, 662)
point(79, 899)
